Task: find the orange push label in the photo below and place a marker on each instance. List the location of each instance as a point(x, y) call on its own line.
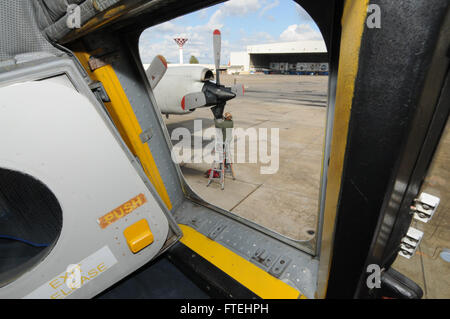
point(122, 211)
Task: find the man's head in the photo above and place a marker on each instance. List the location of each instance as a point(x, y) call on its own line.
point(228, 116)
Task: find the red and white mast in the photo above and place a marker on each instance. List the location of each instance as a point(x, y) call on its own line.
point(180, 42)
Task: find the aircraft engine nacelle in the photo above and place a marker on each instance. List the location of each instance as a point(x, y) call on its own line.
point(177, 83)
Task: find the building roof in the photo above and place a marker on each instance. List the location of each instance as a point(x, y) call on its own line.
point(288, 47)
point(208, 66)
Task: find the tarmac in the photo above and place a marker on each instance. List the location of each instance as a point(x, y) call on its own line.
point(287, 201)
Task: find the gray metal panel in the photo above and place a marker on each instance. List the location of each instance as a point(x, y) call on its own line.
point(141, 98)
point(301, 269)
point(19, 32)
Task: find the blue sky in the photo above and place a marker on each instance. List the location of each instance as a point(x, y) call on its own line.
point(241, 22)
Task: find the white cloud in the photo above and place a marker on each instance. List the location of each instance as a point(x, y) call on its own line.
point(159, 39)
point(233, 8)
point(240, 7)
point(202, 14)
point(268, 7)
point(300, 32)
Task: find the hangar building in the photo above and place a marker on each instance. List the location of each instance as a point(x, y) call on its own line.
point(285, 57)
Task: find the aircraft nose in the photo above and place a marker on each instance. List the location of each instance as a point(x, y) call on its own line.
point(221, 93)
point(224, 94)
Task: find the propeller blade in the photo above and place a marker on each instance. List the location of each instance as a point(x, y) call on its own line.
point(238, 89)
point(217, 48)
point(193, 100)
point(218, 110)
point(156, 70)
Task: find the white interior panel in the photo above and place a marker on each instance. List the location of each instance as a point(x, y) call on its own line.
point(53, 133)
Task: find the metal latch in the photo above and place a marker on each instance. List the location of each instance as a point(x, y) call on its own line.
point(424, 207)
point(280, 265)
point(146, 135)
point(73, 16)
point(216, 231)
point(99, 91)
point(97, 61)
point(263, 257)
point(410, 243)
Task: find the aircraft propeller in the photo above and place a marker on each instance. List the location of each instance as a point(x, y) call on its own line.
point(156, 71)
point(213, 94)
